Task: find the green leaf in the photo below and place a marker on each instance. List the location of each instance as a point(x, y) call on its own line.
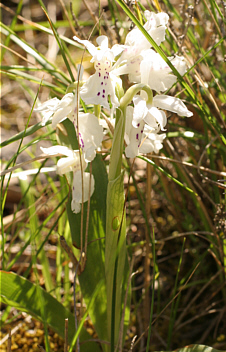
point(28, 132)
point(166, 173)
point(62, 50)
point(197, 348)
point(28, 297)
point(116, 264)
point(94, 268)
point(13, 74)
point(34, 53)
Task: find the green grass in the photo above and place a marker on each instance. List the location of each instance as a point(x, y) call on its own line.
point(186, 255)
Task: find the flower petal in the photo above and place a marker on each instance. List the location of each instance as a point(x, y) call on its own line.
point(58, 149)
point(102, 41)
point(153, 143)
point(50, 104)
point(97, 89)
point(77, 193)
point(90, 133)
point(155, 72)
point(89, 46)
point(140, 110)
point(68, 164)
point(172, 104)
point(156, 115)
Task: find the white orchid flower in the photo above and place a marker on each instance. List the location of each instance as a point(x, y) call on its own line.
point(135, 43)
point(57, 109)
point(142, 138)
point(156, 28)
point(149, 112)
point(149, 68)
point(133, 135)
point(72, 162)
point(155, 72)
point(90, 133)
point(97, 89)
point(151, 142)
point(172, 104)
point(144, 121)
point(77, 193)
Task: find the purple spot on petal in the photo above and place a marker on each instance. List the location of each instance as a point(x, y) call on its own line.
point(99, 74)
point(137, 136)
point(138, 125)
point(98, 94)
point(102, 83)
point(103, 96)
point(103, 90)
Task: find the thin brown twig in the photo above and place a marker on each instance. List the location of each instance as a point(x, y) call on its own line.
point(68, 18)
point(163, 310)
point(163, 158)
point(66, 335)
point(147, 277)
point(71, 255)
point(186, 309)
point(200, 160)
point(9, 342)
point(88, 211)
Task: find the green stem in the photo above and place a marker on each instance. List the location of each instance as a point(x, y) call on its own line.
point(118, 140)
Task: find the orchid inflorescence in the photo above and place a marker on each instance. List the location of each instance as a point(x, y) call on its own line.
point(144, 114)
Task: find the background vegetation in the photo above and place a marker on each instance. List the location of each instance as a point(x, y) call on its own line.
point(179, 198)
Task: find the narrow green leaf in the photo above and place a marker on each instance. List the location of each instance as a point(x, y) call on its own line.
point(22, 75)
point(56, 35)
point(94, 267)
point(34, 53)
point(28, 132)
point(25, 296)
point(115, 254)
point(197, 348)
point(166, 173)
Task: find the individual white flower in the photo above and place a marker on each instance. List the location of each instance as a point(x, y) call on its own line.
point(142, 138)
point(172, 104)
point(47, 109)
point(97, 89)
point(90, 133)
point(72, 162)
point(57, 109)
point(133, 135)
point(156, 28)
point(148, 113)
point(155, 72)
point(135, 43)
point(144, 121)
point(151, 141)
point(150, 68)
point(77, 193)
